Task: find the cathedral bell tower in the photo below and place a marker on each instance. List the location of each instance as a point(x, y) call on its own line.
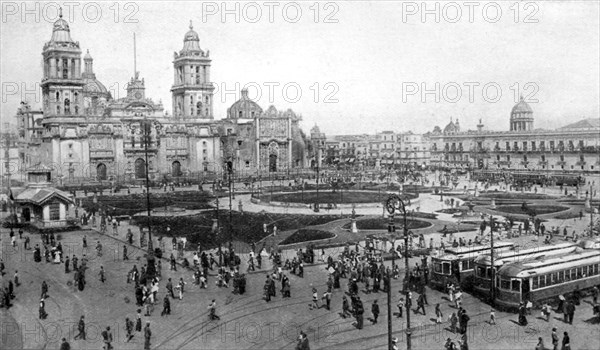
point(192, 91)
point(62, 84)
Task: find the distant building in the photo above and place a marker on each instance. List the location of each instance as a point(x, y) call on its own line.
point(574, 147)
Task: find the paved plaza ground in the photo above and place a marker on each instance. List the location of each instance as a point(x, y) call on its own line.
point(248, 321)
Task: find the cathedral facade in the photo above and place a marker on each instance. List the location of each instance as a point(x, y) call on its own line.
point(83, 133)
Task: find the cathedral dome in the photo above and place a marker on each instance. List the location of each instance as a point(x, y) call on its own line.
point(93, 87)
point(244, 108)
point(522, 107)
point(60, 30)
point(452, 128)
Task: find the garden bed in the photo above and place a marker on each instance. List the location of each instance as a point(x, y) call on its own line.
point(247, 227)
point(511, 195)
point(534, 209)
point(338, 197)
point(135, 203)
point(306, 235)
point(382, 224)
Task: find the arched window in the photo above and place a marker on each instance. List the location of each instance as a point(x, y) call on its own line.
point(199, 108)
point(75, 97)
point(140, 168)
point(57, 109)
point(57, 96)
point(65, 69)
point(67, 106)
point(206, 112)
point(240, 114)
point(206, 99)
point(176, 169)
point(101, 172)
point(76, 109)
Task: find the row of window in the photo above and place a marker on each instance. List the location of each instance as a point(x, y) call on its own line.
point(550, 278)
point(524, 145)
point(564, 276)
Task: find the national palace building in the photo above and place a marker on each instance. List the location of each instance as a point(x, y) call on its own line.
point(572, 148)
point(81, 132)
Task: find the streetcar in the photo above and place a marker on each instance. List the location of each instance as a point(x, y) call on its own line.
point(543, 279)
point(455, 266)
point(482, 278)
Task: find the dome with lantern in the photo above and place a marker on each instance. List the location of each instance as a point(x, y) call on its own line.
point(191, 43)
point(244, 108)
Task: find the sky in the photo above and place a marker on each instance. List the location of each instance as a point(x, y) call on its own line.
point(350, 67)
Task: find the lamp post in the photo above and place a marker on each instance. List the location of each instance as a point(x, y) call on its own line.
point(393, 204)
point(146, 126)
point(493, 271)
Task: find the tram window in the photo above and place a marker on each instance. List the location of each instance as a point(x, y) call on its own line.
point(466, 265)
point(437, 267)
point(489, 272)
point(446, 268)
point(480, 271)
point(552, 278)
point(595, 269)
point(536, 283)
point(560, 276)
point(542, 281)
point(505, 284)
point(579, 272)
point(516, 285)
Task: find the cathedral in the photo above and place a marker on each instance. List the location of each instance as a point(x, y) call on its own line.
point(82, 132)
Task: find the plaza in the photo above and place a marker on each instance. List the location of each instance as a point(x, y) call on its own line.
point(147, 204)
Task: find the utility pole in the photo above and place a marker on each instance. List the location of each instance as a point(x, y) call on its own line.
point(493, 271)
point(391, 231)
point(150, 268)
point(393, 203)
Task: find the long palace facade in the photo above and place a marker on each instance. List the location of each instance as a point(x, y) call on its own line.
point(572, 148)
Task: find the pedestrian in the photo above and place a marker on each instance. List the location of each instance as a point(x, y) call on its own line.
point(16, 279)
point(438, 314)
point(345, 307)
point(107, 337)
point(420, 304)
point(400, 306)
point(566, 342)
point(359, 311)
point(327, 298)
point(147, 336)
point(67, 263)
point(42, 310)
point(170, 288)
point(315, 299)
point(213, 310)
point(44, 290)
point(80, 329)
point(180, 287)
point(65, 345)
point(125, 257)
point(492, 316)
point(522, 315)
point(595, 293)
point(166, 306)
point(554, 339)
point(546, 310)
point(129, 328)
point(540, 344)
point(138, 321)
point(101, 274)
point(375, 311)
